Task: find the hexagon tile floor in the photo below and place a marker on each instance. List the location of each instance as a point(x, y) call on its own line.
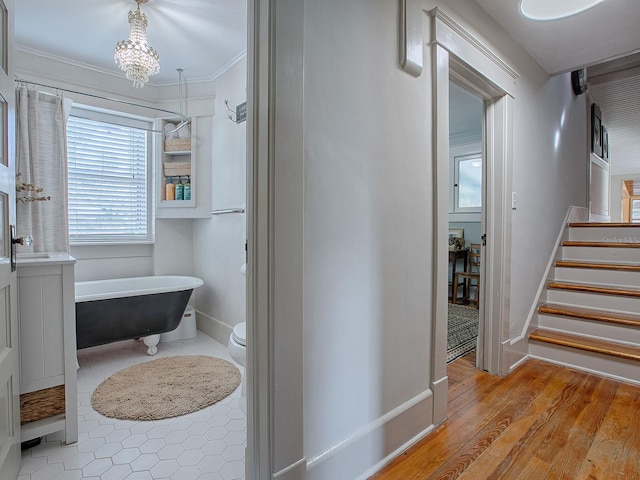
point(204, 445)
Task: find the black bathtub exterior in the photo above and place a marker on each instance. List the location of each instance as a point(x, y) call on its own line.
point(100, 322)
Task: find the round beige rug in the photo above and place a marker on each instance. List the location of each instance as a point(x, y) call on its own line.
point(166, 387)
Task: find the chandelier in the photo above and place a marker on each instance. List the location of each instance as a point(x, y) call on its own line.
point(134, 56)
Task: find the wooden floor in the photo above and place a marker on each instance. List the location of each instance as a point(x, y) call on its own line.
point(541, 422)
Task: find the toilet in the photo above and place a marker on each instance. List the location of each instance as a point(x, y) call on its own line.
point(238, 350)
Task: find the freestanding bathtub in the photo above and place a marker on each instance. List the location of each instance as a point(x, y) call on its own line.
point(126, 308)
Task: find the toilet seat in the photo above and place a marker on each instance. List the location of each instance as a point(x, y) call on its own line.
point(239, 334)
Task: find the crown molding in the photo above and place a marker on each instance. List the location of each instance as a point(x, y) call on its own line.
point(115, 74)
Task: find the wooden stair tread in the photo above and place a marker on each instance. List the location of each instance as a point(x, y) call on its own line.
point(603, 224)
point(590, 314)
point(626, 267)
point(575, 243)
point(580, 287)
point(586, 343)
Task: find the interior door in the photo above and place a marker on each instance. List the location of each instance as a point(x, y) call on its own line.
point(9, 366)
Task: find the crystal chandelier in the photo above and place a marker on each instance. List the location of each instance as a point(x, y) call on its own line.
point(134, 56)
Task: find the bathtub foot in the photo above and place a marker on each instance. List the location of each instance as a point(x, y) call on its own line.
point(151, 342)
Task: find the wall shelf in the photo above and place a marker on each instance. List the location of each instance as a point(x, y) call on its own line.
point(184, 166)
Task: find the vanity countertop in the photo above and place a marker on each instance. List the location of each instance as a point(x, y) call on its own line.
point(41, 259)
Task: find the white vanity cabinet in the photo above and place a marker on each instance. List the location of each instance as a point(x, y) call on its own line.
point(46, 312)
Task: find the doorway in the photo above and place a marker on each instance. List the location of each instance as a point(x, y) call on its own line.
point(466, 200)
point(492, 80)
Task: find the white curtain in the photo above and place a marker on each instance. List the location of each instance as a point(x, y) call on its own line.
point(41, 162)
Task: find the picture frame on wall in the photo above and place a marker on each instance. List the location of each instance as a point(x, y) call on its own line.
point(605, 143)
point(456, 233)
point(596, 130)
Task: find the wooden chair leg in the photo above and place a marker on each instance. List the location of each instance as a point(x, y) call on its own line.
point(454, 294)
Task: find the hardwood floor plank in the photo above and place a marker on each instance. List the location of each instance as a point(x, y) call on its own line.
point(570, 443)
point(541, 422)
point(540, 431)
point(610, 450)
point(482, 440)
point(479, 410)
point(512, 439)
point(536, 469)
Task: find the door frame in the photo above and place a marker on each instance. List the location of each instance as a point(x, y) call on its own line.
point(9, 356)
point(456, 51)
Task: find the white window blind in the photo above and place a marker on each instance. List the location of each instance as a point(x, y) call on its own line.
point(108, 180)
point(635, 210)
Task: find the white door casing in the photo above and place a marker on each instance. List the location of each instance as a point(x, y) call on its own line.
point(9, 355)
point(457, 51)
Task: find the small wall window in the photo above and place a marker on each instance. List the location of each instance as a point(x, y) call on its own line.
point(109, 195)
point(635, 210)
point(468, 183)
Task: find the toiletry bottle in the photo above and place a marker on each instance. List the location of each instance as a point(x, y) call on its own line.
point(179, 190)
point(187, 188)
point(170, 190)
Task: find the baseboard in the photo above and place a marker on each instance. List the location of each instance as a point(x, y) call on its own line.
point(292, 472)
point(213, 327)
point(440, 399)
point(376, 444)
point(517, 353)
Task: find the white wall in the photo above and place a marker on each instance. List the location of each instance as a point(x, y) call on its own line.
point(368, 216)
point(549, 175)
point(218, 242)
point(367, 232)
point(172, 251)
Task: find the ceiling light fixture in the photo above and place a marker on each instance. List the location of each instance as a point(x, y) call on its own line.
point(554, 9)
point(134, 56)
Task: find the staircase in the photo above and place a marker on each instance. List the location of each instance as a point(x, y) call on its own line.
point(591, 317)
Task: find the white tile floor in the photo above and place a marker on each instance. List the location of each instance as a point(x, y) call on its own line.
point(204, 445)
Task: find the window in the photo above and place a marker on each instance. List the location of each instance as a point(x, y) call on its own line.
point(635, 210)
point(468, 183)
point(109, 158)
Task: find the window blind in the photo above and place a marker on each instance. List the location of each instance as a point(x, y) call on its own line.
point(108, 198)
point(635, 210)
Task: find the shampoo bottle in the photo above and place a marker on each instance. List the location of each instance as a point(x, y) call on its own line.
point(179, 190)
point(170, 190)
point(187, 188)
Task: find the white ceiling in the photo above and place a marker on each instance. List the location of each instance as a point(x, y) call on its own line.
point(200, 36)
point(204, 36)
point(465, 114)
point(606, 31)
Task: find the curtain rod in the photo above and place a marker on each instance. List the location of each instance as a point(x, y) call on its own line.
point(185, 119)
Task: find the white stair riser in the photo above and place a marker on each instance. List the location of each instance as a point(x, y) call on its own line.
point(605, 330)
point(596, 276)
point(607, 365)
point(604, 254)
point(592, 300)
point(604, 234)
